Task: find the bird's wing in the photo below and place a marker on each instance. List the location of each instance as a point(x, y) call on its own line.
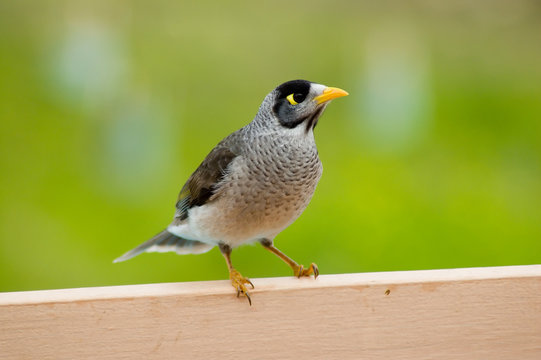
point(203, 183)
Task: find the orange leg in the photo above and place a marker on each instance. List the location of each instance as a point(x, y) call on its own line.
point(298, 270)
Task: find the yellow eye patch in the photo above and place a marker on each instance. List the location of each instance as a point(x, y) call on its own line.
point(291, 100)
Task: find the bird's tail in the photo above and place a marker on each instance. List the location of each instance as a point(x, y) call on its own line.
point(164, 242)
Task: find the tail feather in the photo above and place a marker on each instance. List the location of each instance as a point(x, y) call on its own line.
point(165, 242)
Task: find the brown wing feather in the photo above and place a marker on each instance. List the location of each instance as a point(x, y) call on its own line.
point(201, 185)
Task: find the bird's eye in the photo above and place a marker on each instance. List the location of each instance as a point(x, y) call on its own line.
point(294, 99)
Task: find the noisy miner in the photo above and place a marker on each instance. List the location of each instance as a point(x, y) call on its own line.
point(253, 184)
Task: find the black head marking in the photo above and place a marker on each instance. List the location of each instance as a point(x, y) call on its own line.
point(293, 87)
point(281, 108)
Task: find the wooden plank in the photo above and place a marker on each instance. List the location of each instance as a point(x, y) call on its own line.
point(478, 313)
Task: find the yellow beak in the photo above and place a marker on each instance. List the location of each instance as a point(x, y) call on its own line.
point(330, 93)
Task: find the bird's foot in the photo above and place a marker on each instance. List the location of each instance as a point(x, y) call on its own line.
point(299, 271)
point(238, 281)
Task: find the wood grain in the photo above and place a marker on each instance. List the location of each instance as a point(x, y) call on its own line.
point(478, 313)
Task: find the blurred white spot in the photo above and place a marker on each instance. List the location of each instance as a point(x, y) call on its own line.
point(396, 102)
point(138, 149)
point(135, 145)
point(89, 64)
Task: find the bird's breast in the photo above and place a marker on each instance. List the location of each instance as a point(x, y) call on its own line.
point(263, 192)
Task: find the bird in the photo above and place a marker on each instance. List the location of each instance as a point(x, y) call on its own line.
point(255, 183)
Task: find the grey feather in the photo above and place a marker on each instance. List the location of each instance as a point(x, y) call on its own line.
point(165, 242)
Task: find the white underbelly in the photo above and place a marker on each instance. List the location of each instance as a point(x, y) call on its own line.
point(219, 223)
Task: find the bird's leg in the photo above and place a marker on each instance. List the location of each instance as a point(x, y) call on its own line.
point(237, 280)
point(298, 270)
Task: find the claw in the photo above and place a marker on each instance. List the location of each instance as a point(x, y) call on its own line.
point(238, 281)
point(316, 270)
point(301, 271)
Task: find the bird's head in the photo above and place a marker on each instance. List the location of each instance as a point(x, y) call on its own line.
point(299, 103)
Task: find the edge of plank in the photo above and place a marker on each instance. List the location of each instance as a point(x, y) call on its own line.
point(219, 287)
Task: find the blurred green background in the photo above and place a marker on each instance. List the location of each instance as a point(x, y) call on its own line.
point(433, 161)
